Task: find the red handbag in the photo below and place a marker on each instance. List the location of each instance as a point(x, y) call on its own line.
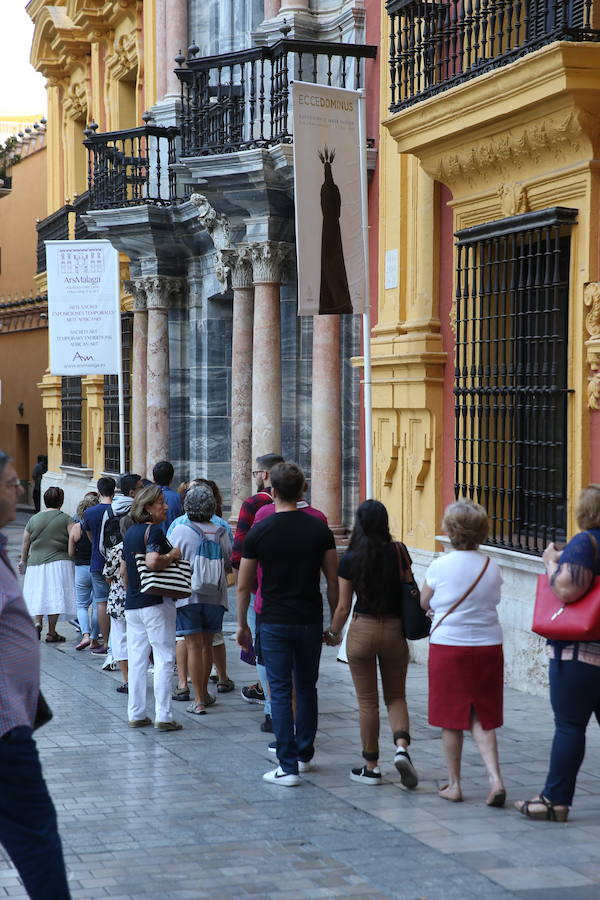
point(558, 621)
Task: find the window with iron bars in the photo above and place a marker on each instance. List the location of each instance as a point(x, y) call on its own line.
point(72, 405)
point(111, 405)
point(512, 286)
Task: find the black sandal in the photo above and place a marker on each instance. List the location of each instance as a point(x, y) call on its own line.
point(55, 638)
point(549, 813)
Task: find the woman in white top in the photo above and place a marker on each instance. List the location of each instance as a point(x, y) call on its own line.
point(466, 664)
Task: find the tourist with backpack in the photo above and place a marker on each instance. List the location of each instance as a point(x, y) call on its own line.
point(207, 548)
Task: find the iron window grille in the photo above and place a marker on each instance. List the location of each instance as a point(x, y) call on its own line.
point(512, 286)
point(111, 405)
point(72, 404)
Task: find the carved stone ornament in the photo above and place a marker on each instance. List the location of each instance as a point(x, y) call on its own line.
point(513, 199)
point(76, 104)
point(591, 298)
point(557, 136)
point(238, 263)
point(155, 291)
point(215, 222)
point(268, 261)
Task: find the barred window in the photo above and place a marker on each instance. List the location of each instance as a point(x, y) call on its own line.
point(512, 285)
point(71, 403)
point(111, 404)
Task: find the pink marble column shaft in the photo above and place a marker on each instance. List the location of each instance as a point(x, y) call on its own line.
point(295, 5)
point(157, 388)
point(161, 49)
point(138, 392)
point(176, 39)
point(272, 8)
point(266, 370)
point(241, 397)
point(326, 448)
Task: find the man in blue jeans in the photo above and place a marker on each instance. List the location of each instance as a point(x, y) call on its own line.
point(93, 523)
point(292, 549)
point(28, 827)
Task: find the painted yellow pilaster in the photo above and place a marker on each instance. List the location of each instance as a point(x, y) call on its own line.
point(92, 387)
point(148, 58)
point(56, 193)
point(50, 389)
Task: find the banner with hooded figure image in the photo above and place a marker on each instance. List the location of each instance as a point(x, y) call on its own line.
point(84, 317)
point(329, 226)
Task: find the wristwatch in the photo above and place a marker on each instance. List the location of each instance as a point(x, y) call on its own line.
point(333, 635)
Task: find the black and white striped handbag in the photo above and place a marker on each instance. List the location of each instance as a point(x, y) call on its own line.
point(175, 581)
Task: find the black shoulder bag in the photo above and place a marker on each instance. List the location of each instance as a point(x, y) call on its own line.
point(415, 621)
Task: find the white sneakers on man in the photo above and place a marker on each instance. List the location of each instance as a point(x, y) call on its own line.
point(278, 776)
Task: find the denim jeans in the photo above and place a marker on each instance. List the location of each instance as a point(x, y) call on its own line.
point(292, 654)
point(260, 668)
point(28, 828)
point(100, 587)
point(84, 594)
point(575, 695)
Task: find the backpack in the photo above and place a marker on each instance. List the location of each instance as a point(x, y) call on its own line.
point(208, 567)
point(112, 530)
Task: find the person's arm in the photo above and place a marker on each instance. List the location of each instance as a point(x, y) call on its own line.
point(244, 524)
point(155, 560)
point(74, 536)
point(123, 573)
point(568, 580)
point(329, 567)
point(342, 611)
point(24, 551)
point(426, 595)
point(245, 582)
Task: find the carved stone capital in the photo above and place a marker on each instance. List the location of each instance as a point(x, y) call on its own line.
point(155, 291)
point(237, 262)
point(591, 298)
point(268, 261)
point(215, 222)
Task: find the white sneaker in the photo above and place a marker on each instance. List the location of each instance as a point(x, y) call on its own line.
point(109, 664)
point(406, 770)
point(366, 776)
point(308, 766)
point(272, 747)
point(278, 776)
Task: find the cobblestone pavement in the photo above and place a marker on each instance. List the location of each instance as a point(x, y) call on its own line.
point(186, 815)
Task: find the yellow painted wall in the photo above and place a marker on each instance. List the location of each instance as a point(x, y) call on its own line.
point(19, 211)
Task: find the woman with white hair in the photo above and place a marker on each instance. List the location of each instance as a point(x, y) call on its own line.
point(200, 616)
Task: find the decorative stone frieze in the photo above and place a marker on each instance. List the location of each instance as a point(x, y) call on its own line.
point(591, 298)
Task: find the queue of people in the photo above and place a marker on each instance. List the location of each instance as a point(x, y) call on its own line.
point(281, 549)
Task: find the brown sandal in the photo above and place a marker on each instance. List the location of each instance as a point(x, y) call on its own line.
point(55, 638)
point(549, 813)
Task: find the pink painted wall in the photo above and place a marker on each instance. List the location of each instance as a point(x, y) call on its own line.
point(446, 263)
point(595, 447)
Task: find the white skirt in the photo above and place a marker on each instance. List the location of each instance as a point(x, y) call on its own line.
point(49, 589)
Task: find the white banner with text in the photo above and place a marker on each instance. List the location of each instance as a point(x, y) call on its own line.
point(329, 235)
point(84, 317)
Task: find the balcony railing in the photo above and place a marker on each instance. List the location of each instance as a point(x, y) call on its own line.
point(436, 44)
point(237, 101)
point(81, 204)
point(53, 228)
point(131, 168)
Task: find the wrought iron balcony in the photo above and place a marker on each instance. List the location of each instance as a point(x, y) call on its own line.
point(131, 168)
point(237, 101)
point(81, 204)
point(54, 227)
point(436, 44)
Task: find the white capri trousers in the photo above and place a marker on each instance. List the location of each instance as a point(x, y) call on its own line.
point(118, 638)
point(151, 627)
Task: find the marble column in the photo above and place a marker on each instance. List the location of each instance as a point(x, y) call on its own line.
point(294, 5)
point(326, 441)
point(159, 289)
point(271, 8)
point(267, 262)
point(176, 39)
point(239, 263)
point(161, 48)
point(139, 380)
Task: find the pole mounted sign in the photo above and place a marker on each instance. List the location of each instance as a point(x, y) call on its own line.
point(84, 314)
point(84, 317)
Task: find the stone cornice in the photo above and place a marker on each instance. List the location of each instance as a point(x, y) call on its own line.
point(538, 111)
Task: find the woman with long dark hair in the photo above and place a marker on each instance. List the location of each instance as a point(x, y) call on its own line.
point(372, 568)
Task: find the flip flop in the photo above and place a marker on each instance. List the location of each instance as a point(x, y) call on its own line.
point(55, 638)
point(83, 644)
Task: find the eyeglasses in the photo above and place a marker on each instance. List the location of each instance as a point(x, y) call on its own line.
point(13, 483)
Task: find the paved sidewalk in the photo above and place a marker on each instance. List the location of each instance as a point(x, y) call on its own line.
point(186, 815)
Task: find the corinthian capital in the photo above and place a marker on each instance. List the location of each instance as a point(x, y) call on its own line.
point(154, 291)
point(268, 261)
point(215, 222)
point(238, 262)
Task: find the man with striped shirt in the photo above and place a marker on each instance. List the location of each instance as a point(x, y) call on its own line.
point(28, 827)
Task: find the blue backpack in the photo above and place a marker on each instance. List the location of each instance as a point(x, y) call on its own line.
point(208, 565)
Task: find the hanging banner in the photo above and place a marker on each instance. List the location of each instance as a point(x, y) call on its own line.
point(329, 213)
point(84, 317)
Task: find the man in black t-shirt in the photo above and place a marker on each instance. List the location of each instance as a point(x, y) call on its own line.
point(292, 549)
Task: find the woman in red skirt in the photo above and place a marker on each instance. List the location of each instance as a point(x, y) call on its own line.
point(465, 654)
